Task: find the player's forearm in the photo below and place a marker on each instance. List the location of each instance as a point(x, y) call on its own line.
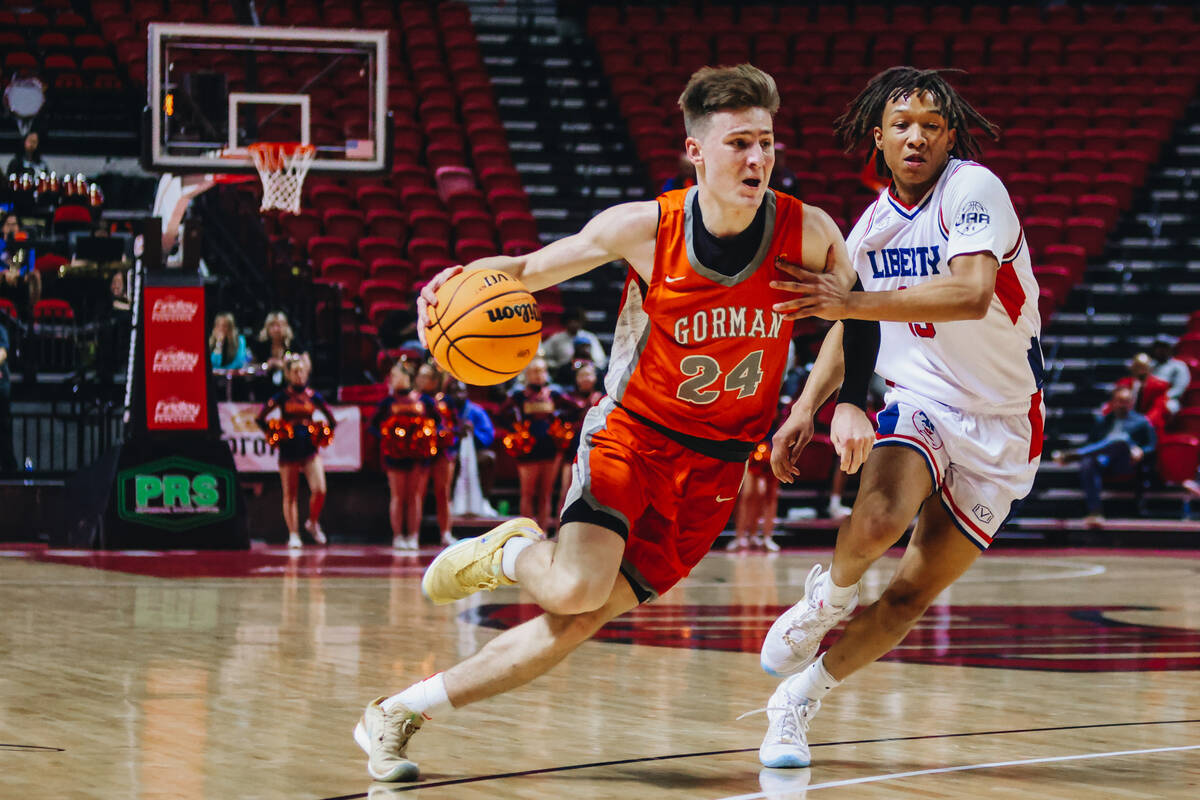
point(536, 273)
point(826, 375)
point(940, 300)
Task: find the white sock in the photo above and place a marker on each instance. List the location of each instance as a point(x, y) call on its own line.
point(508, 556)
point(814, 683)
point(840, 596)
point(425, 697)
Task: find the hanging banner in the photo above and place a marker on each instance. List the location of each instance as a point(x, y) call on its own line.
point(252, 454)
point(176, 384)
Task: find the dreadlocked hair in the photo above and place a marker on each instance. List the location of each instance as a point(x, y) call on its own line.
point(865, 112)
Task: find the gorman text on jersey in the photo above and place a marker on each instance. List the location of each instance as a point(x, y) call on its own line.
point(725, 322)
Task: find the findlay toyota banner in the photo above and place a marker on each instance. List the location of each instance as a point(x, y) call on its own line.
point(176, 387)
point(250, 450)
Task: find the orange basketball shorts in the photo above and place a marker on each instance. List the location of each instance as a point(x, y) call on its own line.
point(668, 501)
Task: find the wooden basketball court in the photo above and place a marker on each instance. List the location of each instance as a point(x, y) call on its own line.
point(1047, 674)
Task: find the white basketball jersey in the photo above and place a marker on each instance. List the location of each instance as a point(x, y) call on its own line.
point(991, 365)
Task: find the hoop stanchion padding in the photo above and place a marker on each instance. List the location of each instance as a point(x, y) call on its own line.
point(282, 167)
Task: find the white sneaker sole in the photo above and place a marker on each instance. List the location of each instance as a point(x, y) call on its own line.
point(786, 666)
point(786, 761)
point(404, 774)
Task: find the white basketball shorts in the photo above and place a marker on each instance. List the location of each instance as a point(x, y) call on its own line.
point(980, 464)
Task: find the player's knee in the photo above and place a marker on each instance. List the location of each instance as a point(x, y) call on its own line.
point(874, 522)
point(577, 595)
point(903, 605)
point(574, 629)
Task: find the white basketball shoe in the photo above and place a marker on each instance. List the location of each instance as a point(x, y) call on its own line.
point(786, 742)
point(793, 640)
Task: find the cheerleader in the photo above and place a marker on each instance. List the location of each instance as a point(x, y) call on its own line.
point(406, 425)
point(429, 383)
point(297, 436)
point(573, 407)
point(528, 413)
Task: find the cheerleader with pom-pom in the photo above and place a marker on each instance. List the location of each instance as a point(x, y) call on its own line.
point(407, 426)
point(528, 414)
point(297, 436)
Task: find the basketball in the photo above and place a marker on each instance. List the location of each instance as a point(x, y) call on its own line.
point(485, 327)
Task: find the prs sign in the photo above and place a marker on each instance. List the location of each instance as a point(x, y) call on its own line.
point(175, 494)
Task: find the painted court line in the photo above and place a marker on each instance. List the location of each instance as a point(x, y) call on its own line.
point(965, 767)
point(412, 787)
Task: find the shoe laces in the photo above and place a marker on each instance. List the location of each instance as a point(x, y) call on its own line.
point(795, 719)
point(397, 730)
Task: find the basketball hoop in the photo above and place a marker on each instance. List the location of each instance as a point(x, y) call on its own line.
point(282, 167)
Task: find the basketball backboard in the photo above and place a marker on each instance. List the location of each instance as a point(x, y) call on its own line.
point(216, 89)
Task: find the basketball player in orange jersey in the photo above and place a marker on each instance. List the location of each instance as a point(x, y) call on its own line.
point(692, 386)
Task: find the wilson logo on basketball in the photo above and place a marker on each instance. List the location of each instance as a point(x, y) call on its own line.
point(172, 309)
point(526, 312)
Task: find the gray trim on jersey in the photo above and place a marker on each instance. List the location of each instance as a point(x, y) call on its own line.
point(629, 340)
point(633, 575)
point(759, 255)
point(581, 478)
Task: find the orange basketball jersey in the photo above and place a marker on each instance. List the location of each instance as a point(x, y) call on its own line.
point(700, 352)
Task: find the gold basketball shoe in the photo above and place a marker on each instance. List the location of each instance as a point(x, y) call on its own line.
point(473, 564)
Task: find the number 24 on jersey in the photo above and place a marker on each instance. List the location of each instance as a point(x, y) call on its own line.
point(704, 377)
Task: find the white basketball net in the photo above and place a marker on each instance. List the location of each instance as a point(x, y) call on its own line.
point(282, 167)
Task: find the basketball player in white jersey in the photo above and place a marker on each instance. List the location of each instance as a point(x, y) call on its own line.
point(947, 275)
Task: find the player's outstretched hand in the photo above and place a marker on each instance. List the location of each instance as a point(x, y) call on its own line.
point(852, 435)
point(428, 297)
point(822, 294)
point(788, 442)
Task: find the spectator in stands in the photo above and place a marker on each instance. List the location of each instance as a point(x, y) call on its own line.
point(782, 177)
point(1149, 392)
point(8, 462)
point(529, 412)
point(1193, 486)
point(226, 346)
point(298, 448)
point(398, 330)
point(276, 344)
point(19, 281)
point(29, 159)
point(559, 349)
point(1166, 367)
point(474, 421)
point(1118, 445)
point(684, 178)
point(406, 426)
point(119, 293)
